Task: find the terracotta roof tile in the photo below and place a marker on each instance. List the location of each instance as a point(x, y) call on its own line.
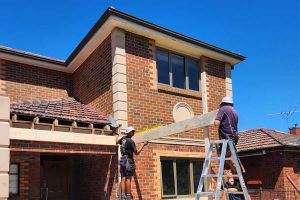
point(63, 109)
point(262, 138)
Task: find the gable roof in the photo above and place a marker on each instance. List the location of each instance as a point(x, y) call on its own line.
point(261, 138)
point(111, 19)
point(62, 109)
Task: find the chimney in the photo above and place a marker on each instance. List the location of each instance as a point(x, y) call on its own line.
point(295, 130)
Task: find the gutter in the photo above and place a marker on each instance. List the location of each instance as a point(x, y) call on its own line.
point(261, 153)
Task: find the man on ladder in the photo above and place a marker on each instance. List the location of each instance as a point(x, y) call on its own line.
point(227, 122)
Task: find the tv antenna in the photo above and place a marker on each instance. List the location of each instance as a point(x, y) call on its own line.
point(286, 115)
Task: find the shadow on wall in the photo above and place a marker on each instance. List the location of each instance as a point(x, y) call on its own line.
point(94, 177)
point(111, 178)
point(93, 79)
point(138, 189)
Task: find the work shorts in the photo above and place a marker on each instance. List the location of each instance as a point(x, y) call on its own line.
point(127, 167)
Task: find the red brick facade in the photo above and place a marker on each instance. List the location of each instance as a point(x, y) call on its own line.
point(25, 82)
point(271, 170)
point(92, 81)
point(148, 107)
point(149, 104)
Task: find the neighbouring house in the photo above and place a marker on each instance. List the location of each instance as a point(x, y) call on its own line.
point(55, 139)
point(272, 162)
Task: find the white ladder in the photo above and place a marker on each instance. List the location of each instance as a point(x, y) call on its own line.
point(220, 175)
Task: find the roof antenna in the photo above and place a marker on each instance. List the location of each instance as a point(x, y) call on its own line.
point(287, 115)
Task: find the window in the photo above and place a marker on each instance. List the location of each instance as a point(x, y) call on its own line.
point(180, 177)
point(177, 70)
point(14, 179)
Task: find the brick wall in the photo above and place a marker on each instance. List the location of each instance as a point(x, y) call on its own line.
point(92, 81)
point(149, 105)
point(25, 82)
point(216, 89)
point(272, 170)
point(29, 169)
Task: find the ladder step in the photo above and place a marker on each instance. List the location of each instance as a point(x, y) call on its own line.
point(216, 175)
point(217, 158)
point(234, 192)
point(206, 193)
point(216, 141)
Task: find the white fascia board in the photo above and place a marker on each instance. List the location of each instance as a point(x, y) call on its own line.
point(60, 137)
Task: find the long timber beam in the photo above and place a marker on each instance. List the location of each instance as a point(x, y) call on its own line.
point(178, 127)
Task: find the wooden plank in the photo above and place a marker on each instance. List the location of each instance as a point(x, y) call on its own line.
point(178, 127)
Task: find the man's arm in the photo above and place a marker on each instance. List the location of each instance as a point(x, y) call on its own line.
point(137, 152)
point(217, 123)
point(219, 117)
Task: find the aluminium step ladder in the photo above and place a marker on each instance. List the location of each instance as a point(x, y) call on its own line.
point(220, 176)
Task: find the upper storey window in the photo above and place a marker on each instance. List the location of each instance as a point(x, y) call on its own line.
point(177, 70)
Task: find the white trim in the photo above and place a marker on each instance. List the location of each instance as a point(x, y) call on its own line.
point(119, 77)
point(228, 80)
point(61, 137)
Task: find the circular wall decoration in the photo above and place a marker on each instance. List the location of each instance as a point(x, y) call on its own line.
point(182, 111)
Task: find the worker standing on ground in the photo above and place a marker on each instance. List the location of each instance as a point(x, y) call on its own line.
point(127, 164)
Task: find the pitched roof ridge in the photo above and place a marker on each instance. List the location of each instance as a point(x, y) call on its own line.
point(254, 129)
point(270, 135)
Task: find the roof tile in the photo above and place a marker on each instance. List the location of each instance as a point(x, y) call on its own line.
point(63, 109)
point(262, 138)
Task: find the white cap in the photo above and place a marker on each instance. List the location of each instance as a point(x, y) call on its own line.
point(227, 100)
point(129, 129)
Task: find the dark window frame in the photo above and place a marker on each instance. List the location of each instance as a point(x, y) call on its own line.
point(186, 79)
point(191, 178)
point(18, 175)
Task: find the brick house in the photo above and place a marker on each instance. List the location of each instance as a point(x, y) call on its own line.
point(272, 162)
point(54, 113)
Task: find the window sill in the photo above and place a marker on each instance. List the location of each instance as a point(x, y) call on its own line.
point(177, 91)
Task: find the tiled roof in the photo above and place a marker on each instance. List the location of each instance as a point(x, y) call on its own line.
point(63, 109)
point(261, 138)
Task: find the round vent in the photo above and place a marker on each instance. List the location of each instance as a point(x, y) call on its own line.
point(182, 111)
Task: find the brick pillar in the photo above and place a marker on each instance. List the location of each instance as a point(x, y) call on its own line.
point(119, 79)
point(4, 150)
point(119, 82)
point(228, 80)
point(204, 100)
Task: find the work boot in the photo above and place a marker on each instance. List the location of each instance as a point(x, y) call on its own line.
point(129, 197)
point(123, 196)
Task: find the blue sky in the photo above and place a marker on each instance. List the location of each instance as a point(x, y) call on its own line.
point(266, 32)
